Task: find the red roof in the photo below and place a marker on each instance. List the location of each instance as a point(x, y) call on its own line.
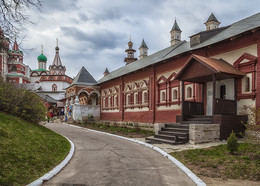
point(217, 66)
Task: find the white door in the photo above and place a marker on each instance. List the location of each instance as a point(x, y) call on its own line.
point(209, 98)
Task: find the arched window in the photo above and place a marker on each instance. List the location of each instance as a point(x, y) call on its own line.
point(104, 102)
point(223, 92)
point(163, 98)
point(189, 92)
point(128, 99)
point(175, 94)
point(136, 98)
point(115, 101)
point(247, 84)
point(54, 88)
point(13, 69)
point(109, 101)
point(145, 97)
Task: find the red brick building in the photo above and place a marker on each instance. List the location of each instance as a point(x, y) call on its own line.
point(147, 90)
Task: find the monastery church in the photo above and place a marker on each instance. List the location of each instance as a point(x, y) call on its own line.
point(197, 90)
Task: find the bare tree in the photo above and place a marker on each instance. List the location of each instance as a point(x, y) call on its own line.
point(13, 15)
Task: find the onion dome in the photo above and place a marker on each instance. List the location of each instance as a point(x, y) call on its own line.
point(42, 58)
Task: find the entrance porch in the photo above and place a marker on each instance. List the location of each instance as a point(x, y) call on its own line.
point(217, 81)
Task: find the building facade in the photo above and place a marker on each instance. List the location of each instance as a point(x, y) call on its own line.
point(154, 89)
point(12, 68)
point(53, 81)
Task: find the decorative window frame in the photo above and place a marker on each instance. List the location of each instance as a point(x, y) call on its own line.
point(246, 63)
point(175, 97)
point(189, 92)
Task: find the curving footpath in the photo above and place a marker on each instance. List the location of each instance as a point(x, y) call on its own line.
point(101, 159)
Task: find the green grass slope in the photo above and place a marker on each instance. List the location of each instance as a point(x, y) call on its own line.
point(27, 151)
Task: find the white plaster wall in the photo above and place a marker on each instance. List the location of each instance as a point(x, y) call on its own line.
point(90, 109)
point(47, 85)
point(229, 88)
point(232, 56)
point(34, 79)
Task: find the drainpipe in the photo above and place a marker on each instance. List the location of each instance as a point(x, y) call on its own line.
point(154, 94)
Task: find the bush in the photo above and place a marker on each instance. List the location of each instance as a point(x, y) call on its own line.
point(252, 132)
point(21, 102)
point(232, 143)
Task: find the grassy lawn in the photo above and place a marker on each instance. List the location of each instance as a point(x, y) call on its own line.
point(131, 132)
point(27, 151)
point(217, 162)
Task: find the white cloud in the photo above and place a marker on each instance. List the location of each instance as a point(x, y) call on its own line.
point(95, 33)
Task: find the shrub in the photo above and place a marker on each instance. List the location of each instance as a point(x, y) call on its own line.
point(232, 143)
point(21, 102)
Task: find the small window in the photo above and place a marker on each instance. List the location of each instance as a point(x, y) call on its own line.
point(115, 101)
point(104, 102)
point(189, 92)
point(247, 84)
point(145, 97)
point(13, 69)
point(109, 102)
point(223, 92)
point(175, 94)
point(136, 98)
point(128, 99)
point(54, 88)
point(163, 96)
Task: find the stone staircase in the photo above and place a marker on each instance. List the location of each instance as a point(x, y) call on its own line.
point(178, 133)
point(171, 134)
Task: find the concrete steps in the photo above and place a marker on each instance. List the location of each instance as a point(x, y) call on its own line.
point(171, 134)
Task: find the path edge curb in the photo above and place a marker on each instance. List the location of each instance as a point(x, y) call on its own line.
point(187, 171)
point(56, 169)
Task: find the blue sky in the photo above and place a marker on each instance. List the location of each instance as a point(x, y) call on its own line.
point(95, 34)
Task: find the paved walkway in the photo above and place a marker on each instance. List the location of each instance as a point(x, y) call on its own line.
point(105, 160)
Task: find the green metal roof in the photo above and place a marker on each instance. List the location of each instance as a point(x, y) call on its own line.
point(42, 58)
point(39, 70)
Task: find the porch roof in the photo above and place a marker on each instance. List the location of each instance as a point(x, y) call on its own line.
point(200, 69)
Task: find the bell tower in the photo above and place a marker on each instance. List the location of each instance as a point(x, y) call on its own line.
point(212, 22)
point(175, 34)
point(130, 53)
point(143, 50)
